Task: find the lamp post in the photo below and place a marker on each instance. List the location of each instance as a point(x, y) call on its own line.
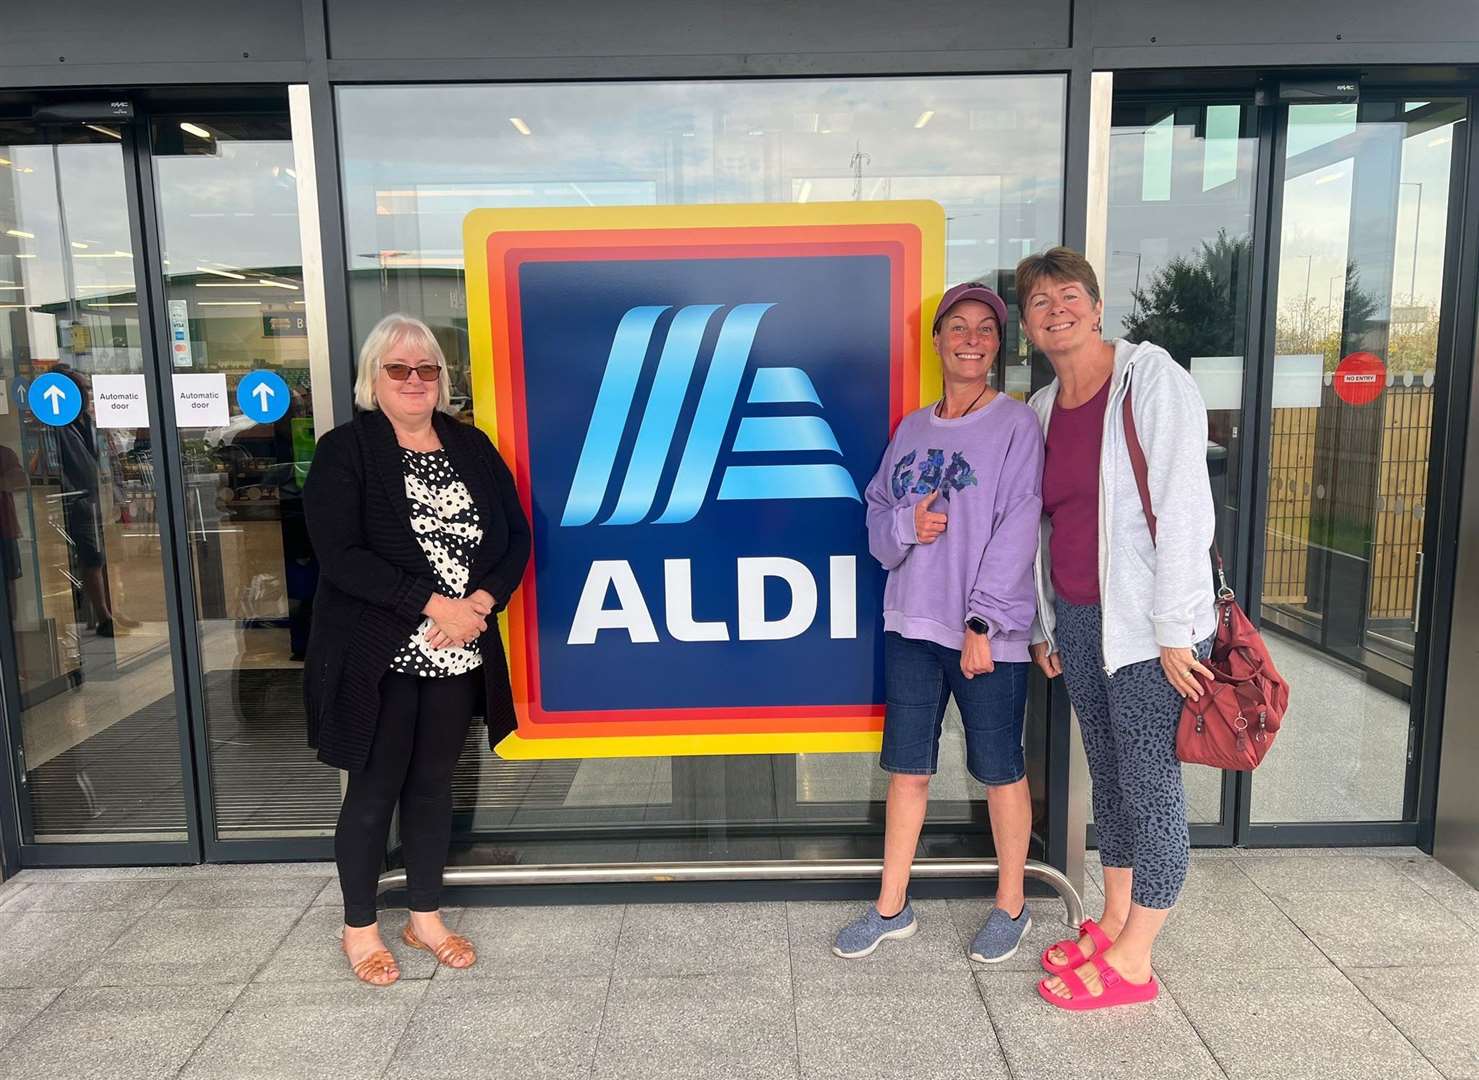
point(1135, 293)
point(1416, 230)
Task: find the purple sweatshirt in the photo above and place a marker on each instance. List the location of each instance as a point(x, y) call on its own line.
point(988, 468)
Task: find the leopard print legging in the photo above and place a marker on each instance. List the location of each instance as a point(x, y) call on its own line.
point(1128, 721)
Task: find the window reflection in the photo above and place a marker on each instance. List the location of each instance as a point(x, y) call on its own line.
point(228, 208)
point(417, 159)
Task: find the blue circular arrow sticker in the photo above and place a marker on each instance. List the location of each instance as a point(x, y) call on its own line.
point(54, 399)
point(263, 396)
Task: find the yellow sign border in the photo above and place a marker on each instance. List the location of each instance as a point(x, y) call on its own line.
point(926, 215)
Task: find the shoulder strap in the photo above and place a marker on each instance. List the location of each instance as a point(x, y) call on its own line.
point(1142, 482)
point(1138, 463)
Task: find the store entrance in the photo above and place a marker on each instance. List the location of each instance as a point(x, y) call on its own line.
point(155, 428)
point(1293, 256)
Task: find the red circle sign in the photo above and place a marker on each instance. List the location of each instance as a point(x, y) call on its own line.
point(1360, 378)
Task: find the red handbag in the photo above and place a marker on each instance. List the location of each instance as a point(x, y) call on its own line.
point(1233, 723)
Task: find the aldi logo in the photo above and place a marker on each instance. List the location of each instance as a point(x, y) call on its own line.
point(692, 400)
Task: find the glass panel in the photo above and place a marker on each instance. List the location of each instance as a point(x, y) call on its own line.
point(78, 532)
point(1356, 358)
point(417, 159)
point(1180, 234)
point(228, 212)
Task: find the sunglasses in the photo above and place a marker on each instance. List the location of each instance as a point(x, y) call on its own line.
point(402, 372)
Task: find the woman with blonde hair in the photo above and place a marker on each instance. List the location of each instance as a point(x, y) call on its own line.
point(421, 540)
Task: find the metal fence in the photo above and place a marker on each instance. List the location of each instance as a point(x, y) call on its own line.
point(1394, 501)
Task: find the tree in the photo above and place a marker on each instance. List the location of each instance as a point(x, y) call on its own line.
point(1193, 305)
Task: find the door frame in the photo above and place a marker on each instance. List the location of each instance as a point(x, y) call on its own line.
point(202, 843)
point(1452, 387)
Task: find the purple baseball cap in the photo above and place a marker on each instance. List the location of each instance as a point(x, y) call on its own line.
point(971, 290)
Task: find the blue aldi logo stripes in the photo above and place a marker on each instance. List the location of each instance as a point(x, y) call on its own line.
point(692, 399)
point(757, 434)
point(726, 412)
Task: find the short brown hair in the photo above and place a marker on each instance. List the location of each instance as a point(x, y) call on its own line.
point(1058, 264)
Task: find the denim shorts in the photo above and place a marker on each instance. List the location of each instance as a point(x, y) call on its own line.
point(919, 679)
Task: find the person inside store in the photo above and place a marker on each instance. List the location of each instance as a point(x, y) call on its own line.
point(1126, 618)
point(82, 508)
point(953, 516)
point(421, 540)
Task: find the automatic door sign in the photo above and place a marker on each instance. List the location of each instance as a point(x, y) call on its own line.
point(692, 400)
point(55, 399)
point(200, 401)
point(1360, 378)
point(263, 396)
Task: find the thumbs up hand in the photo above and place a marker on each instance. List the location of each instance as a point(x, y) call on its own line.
point(928, 524)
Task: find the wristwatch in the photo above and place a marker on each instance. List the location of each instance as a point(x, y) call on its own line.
point(977, 625)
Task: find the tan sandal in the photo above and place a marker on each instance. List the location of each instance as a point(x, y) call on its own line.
point(453, 947)
point(377, 969)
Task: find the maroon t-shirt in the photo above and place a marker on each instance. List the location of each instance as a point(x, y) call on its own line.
point(1070, 496)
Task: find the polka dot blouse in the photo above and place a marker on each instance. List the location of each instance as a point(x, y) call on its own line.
point(446, 525)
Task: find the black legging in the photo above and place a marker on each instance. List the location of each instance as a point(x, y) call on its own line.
point(418, 737)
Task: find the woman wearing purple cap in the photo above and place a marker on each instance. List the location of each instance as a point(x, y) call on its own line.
point(953, 517)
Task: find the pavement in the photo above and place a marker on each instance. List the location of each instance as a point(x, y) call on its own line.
point(1282, 964)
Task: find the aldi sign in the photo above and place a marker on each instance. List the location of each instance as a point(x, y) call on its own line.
point(692, 400)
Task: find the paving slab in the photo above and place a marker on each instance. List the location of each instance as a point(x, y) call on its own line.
point(307, 1031)
point(311, 952)
point(1381, 930)
point(935, 947)
point(921, 1025)
point(1281, 1024)
point(116, 1033)
point(1436, 1008)
point(182, 948)
point(19, 1006)
point(556, 941)
point(1239, 932)
point(130, 894)
point(517, 1028)
point(718, 1027)
point(1151, 1040)
point(703, 939)
point(53, 948)
point(212, 894)
point(1323, 875)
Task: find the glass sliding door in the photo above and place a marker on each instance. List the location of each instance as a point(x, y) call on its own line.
point(1178, 273)
point(227, 200)
point(87, 640)
point(1355, 367)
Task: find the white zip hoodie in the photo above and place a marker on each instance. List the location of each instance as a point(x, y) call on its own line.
point(1152, 593)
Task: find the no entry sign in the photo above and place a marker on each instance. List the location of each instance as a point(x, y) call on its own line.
point(1360, 378)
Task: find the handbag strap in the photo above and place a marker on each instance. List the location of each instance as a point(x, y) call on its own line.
point(1141, 469)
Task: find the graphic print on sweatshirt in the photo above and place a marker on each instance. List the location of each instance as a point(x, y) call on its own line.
point(933, 474)
point(447, 527)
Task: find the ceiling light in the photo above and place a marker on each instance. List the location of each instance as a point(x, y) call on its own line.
point(243, 284)
point(291, 173)
point(519, 125)
point(104, 131)
point(924, 118)
point(1330, 178)
point(79, 245)
point(19, 235)
point(222, 273)
point(278, 284)
point(805, 192)
point(195, 129)
point(4, 161)
point(1440, 140)
point(228, 303)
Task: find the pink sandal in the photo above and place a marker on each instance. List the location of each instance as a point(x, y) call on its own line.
point(1071, 949)
point(1115, 989)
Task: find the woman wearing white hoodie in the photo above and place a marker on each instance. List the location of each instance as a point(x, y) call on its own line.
point(1127, 618)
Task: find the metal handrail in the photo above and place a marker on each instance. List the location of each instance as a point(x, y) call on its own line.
point(749, 870)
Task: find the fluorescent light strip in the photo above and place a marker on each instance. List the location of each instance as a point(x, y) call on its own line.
point(228, 303)
point(924, 118)
point(196, 130)
point(519, 125)
point(222, 273)
point(104, 131)
point(19, 234)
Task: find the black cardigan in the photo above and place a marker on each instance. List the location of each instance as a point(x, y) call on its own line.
point(374, 578)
